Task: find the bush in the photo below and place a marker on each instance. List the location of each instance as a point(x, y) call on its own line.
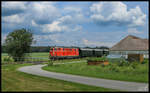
point(113, 67)
point(94, 59)
point(102, 65)
point(123, 63)
point(128, 70)
point(134, 65)
point(116, 69)
point(7, 59)
point(145, 61)
point(50, 63)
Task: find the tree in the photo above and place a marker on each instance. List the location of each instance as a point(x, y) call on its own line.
point(3, 49)
point(18, 43)
point(103, 47)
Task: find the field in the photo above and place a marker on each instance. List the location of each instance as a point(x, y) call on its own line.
point(135, 71)
point(39, 56)
point(34, 54)
point(13, 80)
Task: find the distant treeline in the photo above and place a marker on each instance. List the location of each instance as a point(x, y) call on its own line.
point(33, 49)
point(46, 48)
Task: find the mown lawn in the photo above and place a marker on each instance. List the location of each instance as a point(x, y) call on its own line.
point(135, 72)
point(13, 80)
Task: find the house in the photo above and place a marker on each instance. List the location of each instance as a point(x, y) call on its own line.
point(132, 47)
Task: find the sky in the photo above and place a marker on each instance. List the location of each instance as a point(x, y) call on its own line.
point(61, 23)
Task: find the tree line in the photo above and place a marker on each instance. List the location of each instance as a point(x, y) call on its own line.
point(45, 48)
point(32, 49)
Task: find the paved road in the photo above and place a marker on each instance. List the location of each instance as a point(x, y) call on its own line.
point(113, 84)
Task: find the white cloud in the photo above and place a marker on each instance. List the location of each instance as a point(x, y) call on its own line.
point(117, 13)
point(77, 14)
point(64, 23)
point(133, 31)
point(11, 8)
point(75, 18)
point(66, 19)
point(43, 12)
point(40, 12)
point(54, 27)
point(43, 7)
point(78, 28)
point(41, 39)
point(72, 9)
point(137, 16)
point(94, 43)
point(13, 19)
point(49, 39)
point(14, 5)
point(34, 23)
point(46, 16)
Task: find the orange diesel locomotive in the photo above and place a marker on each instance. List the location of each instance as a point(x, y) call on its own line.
point(59, 52)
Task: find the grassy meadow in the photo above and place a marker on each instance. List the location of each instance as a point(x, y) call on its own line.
point(39, 56)
point(34, 54)
point(134, 71)
point(13, 80)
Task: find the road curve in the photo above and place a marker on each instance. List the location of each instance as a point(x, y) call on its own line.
point(113, 84)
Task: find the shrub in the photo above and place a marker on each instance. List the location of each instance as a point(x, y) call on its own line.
point(112, 67)
point(50, 63)
point(123, 63)
point(7, 59)
point(116, 69)
point(102, 65)
point(134, 65)
point(145, 61)
point(94, 59)
point(128, 69)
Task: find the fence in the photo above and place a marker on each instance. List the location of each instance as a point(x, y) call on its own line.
point(35, 60)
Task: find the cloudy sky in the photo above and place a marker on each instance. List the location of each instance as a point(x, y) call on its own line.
point(76, 23)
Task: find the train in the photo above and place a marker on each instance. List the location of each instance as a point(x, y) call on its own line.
point(71, 53)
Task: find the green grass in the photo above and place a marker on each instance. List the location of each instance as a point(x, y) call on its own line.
point(4, 54)
point(135, 72)
point(34, 54)
point(13, 80)
point(95, 59)
point(40, 55)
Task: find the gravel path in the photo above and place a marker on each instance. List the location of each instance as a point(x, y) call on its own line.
point(113, 84)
